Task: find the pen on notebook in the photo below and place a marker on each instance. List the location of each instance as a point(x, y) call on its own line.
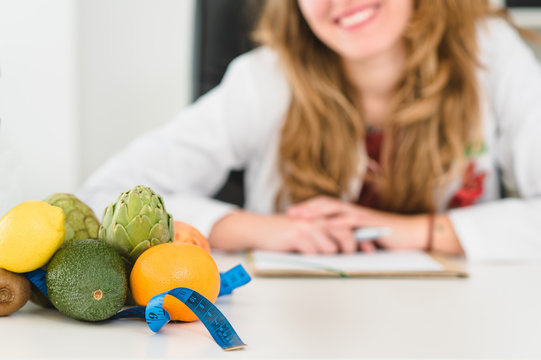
point(370, 233)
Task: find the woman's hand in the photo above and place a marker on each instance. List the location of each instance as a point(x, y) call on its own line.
point(325, 225)
point(341, 218)
point(243, 230)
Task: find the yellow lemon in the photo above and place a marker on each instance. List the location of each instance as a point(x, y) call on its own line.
point(30, 234)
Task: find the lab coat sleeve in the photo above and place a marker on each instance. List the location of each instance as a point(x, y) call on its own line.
point(510, 229)
point(188, 159)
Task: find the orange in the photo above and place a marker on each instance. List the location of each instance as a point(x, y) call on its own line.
point(187, 234)
point(167, 266)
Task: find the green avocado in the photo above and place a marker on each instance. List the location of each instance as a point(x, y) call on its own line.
point(86, 280)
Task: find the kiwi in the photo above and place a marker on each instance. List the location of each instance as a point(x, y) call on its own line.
point(14, 292)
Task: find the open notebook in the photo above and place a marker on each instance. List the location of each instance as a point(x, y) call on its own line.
point(380, 264)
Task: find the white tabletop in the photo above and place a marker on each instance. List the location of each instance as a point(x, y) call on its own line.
point(494, 313)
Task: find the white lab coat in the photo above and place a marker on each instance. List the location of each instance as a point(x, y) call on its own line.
point(237, 125)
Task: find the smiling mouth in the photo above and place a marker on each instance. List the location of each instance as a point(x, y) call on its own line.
point(356, 18)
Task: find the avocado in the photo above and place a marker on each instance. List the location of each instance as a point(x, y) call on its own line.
point(86, 280)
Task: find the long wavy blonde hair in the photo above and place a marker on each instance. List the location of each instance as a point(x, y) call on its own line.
point(435, 113)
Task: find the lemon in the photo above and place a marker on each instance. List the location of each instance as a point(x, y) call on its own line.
point(30, 234)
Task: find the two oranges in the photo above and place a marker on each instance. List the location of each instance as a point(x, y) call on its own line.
point(177, 264)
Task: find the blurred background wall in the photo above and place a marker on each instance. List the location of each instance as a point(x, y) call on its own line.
point(134, 70)
point(81, 78)
point(39, 129)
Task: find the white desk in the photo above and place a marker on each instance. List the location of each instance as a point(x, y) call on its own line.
point(494, 313)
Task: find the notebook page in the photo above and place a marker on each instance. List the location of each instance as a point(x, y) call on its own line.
point(380, 261)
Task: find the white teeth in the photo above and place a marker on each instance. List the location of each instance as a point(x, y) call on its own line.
point(356, 18)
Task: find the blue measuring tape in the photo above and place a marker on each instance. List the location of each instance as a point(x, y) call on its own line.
point(37, 277)
point(232, 279)
point(215, 322)
point(156, 316)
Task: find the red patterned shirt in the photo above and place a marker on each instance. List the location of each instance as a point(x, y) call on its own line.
point(470, 191)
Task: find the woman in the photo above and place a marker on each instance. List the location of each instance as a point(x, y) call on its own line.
point(417, 115)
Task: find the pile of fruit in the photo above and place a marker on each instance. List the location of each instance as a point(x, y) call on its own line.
point(92, 269)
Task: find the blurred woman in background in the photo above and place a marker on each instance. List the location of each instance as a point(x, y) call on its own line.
point(418, 115)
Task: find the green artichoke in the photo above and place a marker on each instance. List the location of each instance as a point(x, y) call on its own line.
point(81, 222)
point(137, 221)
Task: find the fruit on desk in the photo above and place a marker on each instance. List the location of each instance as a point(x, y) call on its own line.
point(14, 292)
point(86, 280)
point(187, 234)
point(167, 266)
point(30, 233)
point(135, 222)
point(81, 222)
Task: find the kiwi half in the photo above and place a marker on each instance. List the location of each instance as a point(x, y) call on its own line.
point(14, 292)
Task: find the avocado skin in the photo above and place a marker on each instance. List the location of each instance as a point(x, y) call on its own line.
point(81, 268)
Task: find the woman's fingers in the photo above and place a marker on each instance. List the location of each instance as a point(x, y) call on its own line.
point(349, 221)
point(330, 236)
point(320, 206)
point(343, 237)
point(312, 239)
point(347, 224)
point(324, 243)
point(367, 246)
point(305, 247)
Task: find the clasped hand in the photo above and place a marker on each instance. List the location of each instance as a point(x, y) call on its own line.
point(325, 225)
point(321, 225)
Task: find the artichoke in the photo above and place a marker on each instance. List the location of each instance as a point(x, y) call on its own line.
point(81, 222)
point(137, 221)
